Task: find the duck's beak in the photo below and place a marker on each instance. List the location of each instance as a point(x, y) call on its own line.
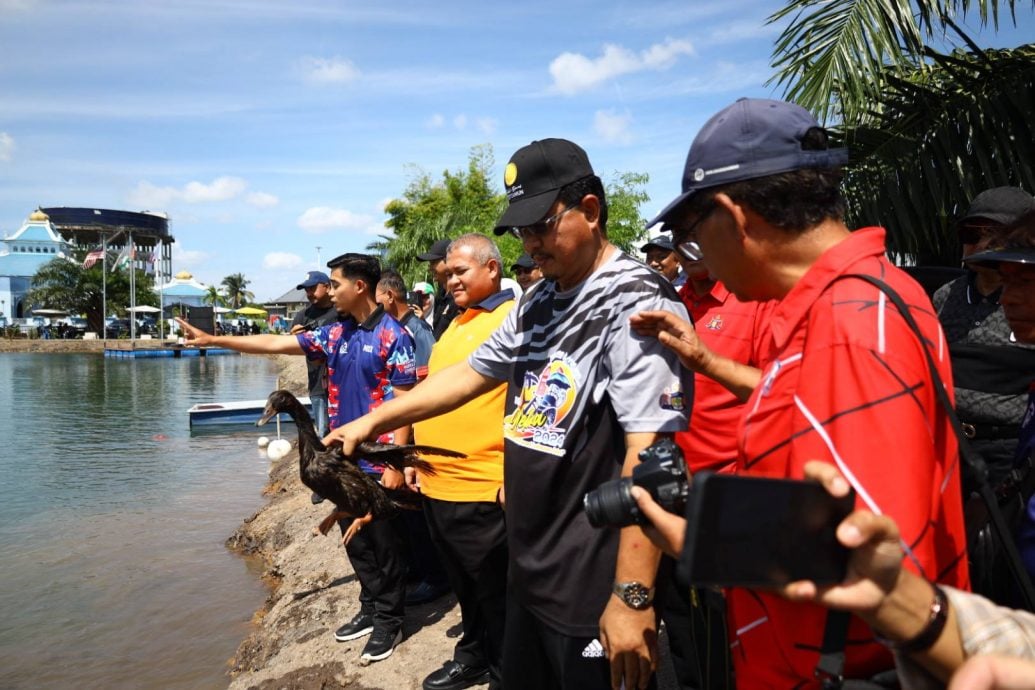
point(267, 414)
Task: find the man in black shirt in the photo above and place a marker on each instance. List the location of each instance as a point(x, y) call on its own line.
point(445, 308)
point(320, 311)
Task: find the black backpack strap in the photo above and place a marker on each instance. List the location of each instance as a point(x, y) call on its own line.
point(967, 454)
point(830, 668)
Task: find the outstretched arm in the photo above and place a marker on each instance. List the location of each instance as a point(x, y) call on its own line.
point(251, 344)
point(442, 391)
point(679, 336)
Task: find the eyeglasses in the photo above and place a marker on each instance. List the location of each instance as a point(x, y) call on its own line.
point(688, 247)
point(972, 234)
point(544, 226)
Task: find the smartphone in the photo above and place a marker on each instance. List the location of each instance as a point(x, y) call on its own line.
point(415, 299)
point(745, 531)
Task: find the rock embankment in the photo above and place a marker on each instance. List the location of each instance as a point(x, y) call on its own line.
point(313, 591)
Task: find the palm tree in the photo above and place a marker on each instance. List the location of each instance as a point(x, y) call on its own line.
point(214, 297)
point(927, 129)
point(236, 293)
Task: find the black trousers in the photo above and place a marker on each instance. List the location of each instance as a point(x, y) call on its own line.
point(377, 553)
point(537, 656)
point(471, 539)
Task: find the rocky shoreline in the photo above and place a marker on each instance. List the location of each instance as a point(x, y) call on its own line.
point(313, 591)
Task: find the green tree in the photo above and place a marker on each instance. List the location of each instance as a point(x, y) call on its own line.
point(927, 130)
point(235, 290)
point(65, 284)
point(625, 195)
point(214, 297)
point(466, 201)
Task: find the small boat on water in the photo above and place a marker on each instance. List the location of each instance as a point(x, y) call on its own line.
point(239, 413)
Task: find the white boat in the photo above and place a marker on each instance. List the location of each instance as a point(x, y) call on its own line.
point(239, 413)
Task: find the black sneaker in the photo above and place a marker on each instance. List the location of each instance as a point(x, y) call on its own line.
point(381, 644)
point(361, 624)
point(455, 676)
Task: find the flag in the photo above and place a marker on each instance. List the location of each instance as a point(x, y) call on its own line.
point(124, 258)
point(93, 257)
point(149, 264)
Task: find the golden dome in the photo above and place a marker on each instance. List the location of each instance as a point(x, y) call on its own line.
point(184, 275)
point(38, 215)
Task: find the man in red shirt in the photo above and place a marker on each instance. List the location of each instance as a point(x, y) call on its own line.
point(843, 377)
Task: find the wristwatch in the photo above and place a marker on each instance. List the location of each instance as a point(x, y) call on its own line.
point(634, 594)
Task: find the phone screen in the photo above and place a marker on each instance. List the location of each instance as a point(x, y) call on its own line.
point(761, 532)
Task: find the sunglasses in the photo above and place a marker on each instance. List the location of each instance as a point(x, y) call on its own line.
point(688, 247)
point(544, 226)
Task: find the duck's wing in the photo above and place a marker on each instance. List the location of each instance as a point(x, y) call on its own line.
point(402, 456)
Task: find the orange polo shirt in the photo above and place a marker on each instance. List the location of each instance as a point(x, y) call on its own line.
point(733, 329)
point(475, 428)
point(846, 382)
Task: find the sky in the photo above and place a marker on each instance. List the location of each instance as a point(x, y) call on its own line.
point(273, 132)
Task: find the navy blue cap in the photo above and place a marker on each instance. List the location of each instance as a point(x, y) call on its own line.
point(752, 138)
point(660, 242)
point(523, 261)
point(313, 279)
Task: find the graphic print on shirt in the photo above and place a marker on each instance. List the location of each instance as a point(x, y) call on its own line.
point(546, 399)
point(715, 323)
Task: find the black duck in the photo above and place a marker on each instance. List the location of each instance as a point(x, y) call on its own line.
point(338, 478)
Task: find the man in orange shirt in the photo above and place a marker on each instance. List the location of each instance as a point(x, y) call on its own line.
point(460, 499)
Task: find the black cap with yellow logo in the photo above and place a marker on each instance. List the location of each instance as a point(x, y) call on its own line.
point(535, 175)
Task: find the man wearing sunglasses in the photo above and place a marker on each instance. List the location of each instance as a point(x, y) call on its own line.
point(843, 377)
point(989, 366)
point(585, 395)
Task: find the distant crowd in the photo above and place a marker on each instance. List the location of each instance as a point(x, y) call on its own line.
point(765, 338)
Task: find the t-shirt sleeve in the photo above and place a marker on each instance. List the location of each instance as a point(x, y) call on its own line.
point(315, 343)
point(494, 357)
point(649, 389)
point(402, 361)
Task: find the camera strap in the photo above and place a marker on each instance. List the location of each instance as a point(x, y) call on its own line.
point(830, 666)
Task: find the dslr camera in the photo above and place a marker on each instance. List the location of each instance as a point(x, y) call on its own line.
point(661, 472)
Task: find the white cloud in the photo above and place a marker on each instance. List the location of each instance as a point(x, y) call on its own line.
point(221, 189)
point(460, 121)
point(186, 258)
point(281, 261)
point(436, 121)
point(6, 146)
point(147, 195)
point(612, 127)
point(262, 199)
point(323, 218)
point(333, 70)
point(486, 125)
point(574, 72)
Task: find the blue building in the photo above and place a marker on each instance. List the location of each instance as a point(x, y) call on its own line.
point(21, 255)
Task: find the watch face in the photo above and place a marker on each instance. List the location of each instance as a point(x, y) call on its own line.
point(635, 595)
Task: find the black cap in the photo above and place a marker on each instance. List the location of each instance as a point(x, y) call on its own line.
point(523, 261)
point(534, 177)
point(661, 242)
point(751, 138)
point(437, 251)
point(1014, 255)
point(1000, 205)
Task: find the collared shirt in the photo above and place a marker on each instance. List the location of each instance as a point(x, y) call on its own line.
point(423, 341)
point(733, 329)
point(365, 361)
point(476, 427)
point(846, 382)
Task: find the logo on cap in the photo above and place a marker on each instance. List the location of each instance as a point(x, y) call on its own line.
point(510, 174)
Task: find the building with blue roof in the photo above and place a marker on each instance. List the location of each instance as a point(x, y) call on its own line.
point(21, 255)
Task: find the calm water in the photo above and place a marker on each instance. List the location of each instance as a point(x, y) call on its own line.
point(113, 572)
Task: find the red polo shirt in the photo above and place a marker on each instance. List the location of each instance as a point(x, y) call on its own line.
point(733, 329)
point(846, 382)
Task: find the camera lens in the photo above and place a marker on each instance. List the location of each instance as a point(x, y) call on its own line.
point(611, 504)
